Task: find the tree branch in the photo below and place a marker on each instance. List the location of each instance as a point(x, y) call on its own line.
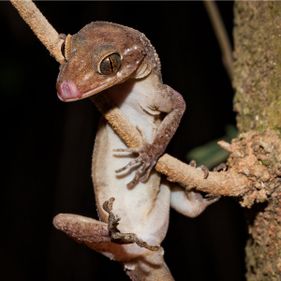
point(221, 35)
point(41, 27)
point(218, 183)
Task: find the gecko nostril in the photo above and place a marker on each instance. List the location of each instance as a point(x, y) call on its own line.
point(67, 90)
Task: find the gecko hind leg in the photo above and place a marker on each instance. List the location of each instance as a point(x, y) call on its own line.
point(119, 237)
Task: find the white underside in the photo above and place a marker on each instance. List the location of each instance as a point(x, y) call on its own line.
point(144, 209)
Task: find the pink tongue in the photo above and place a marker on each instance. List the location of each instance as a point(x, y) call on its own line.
point(67, 90)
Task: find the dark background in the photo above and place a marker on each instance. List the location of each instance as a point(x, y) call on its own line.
point(46, 144)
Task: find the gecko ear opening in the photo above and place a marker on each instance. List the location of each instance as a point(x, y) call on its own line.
point(66, 46)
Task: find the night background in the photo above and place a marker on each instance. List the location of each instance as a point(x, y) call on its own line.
point(47, 145)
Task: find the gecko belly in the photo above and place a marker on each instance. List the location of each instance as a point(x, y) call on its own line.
point(143, 209)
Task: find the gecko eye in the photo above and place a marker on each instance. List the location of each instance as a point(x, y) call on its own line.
point(110, 64)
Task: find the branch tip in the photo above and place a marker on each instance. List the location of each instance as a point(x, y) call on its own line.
point(44, 31)
point(225, 146)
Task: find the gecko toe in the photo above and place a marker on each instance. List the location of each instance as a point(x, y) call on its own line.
point(131, 165)
point(126, 150)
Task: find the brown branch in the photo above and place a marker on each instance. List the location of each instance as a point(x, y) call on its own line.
point(41, 27)
point(223, 183)
point(218, 183)
point(221, 35)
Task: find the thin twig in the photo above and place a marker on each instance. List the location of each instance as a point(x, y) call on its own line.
point(41, 27)
point(221, 35)
point(223, 183)
point(217, 183)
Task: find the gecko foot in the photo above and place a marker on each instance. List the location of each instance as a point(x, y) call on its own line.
point(143, 163)
point(116, 235)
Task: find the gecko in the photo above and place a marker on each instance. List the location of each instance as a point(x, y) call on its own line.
point(132, 200)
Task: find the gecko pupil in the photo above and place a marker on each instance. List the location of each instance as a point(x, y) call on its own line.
point(110, 64)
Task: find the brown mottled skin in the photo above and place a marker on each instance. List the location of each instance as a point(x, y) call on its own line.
point(119, 62)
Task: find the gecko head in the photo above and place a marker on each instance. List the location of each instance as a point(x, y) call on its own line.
point(99, 56)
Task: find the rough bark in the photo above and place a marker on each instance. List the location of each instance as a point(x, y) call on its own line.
point(257, 80)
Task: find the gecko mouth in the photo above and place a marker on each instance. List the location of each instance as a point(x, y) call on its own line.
point(67, 91)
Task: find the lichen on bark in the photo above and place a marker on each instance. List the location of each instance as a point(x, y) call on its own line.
point(257, 81)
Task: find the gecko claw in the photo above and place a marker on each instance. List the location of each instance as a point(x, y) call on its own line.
point(128, 167)
point(132, 183)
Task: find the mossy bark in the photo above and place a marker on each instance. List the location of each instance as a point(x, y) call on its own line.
point(257, 67)
point(257, 81)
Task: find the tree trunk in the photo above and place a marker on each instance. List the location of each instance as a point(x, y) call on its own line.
point(257, 81)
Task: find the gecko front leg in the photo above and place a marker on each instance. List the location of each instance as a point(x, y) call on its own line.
point(165, 100)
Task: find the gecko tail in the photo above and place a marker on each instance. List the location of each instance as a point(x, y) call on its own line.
point(92, 233)
point(82, 229)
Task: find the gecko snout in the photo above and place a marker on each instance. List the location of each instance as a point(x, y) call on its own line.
point(67, 91)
